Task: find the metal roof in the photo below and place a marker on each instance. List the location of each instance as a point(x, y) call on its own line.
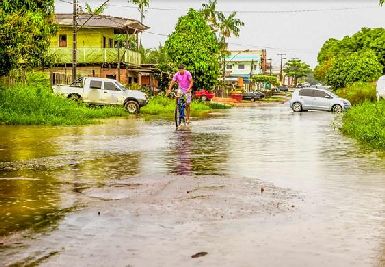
point(120, 25)
point(238, 58)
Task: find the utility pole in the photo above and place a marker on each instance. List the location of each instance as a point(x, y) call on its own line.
point(271, 64)
point(280, 73)
point(138, 36)
point(251, 74)
point(74, 41)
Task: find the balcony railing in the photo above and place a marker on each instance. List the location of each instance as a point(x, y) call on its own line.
point(95, 55)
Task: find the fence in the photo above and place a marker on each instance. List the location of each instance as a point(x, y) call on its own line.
point(15, 76)
point(95, 55)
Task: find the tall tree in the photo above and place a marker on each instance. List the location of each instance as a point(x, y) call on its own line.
point(142, 5)
point(229, 26)
point(194, 44)
point(296, 68)
point(25, 29)
point(210, 13)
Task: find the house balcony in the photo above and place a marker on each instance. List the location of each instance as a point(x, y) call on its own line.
point(95, 56)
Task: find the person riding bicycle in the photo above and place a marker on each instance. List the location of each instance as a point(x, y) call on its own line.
point(185, 83)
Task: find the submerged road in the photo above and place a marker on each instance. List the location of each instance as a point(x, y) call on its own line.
point(251, 187)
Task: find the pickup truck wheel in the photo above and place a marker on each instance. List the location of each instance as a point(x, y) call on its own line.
point(204, 98)
point(132, 106)
point(74, 97)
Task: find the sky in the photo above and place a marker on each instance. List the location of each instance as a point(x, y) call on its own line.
point(297, 28)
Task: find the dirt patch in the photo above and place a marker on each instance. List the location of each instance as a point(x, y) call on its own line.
point(203, 198)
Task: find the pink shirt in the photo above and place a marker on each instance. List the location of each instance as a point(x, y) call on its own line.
point(183, 80)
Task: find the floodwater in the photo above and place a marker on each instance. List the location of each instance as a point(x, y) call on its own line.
point(75, 195)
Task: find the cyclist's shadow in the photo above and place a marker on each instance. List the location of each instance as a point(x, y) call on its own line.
point(183, 153)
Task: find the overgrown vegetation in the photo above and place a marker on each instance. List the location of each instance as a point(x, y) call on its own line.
point(358, 92)
point(34, 104)
point(366, 123)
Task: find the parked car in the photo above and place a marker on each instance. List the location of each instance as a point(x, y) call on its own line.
point(103, 91)
point(252, 96)
point(204, 95)
point(282, 88)
point(317, 99)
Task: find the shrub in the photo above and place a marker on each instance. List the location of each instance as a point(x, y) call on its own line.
point(366, 123)
point(34, 103)
point(358, 92)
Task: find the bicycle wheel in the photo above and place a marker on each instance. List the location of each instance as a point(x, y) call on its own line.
point(176, 115)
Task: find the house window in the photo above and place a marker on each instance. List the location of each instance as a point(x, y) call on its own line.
point(111, 43)
point(104, 42)
point(229, 67)
point(62, 40)
point(241, 67)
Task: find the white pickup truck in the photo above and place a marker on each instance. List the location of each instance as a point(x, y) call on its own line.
point(103, 91)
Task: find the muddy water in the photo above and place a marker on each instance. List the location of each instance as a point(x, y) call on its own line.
point(50, 177)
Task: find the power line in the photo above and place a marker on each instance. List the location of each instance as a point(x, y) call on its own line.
point(247, 11)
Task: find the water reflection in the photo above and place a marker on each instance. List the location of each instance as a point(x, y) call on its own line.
point(24, 143)
point(102, 169)
point(198, 153)
point(27, 200)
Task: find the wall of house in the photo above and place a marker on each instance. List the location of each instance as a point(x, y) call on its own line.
point(86, 38)
point(96, 71)
point(246, 71)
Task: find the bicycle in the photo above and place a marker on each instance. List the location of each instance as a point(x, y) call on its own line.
point(180, 110)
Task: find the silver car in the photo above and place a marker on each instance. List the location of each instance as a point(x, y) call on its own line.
point(317, 99)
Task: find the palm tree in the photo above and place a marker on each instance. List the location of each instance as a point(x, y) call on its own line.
point(230, 25)
point(210, 13)
point(382, 2)
point(142, 5)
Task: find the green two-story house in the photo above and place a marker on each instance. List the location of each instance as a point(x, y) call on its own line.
point(97, 48)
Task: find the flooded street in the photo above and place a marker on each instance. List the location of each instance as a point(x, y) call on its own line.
point(251, 187)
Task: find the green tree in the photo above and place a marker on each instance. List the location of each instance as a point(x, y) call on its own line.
point(296, 68)
point(261, 78)
point(322, 69)
point(382, 2)
point(25, 29)
point(358, 66)
point(365, 39)
point(194, 44)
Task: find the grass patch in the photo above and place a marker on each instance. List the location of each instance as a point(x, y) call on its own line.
point(35, 104)
point(359, 92)
point(366, 123)
point(164, 106)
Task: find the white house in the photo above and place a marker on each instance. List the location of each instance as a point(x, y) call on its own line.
point(245, 64)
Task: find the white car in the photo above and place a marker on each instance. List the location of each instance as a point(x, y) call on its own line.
point(381, 88)
point(103, 91)
point(317, 99)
